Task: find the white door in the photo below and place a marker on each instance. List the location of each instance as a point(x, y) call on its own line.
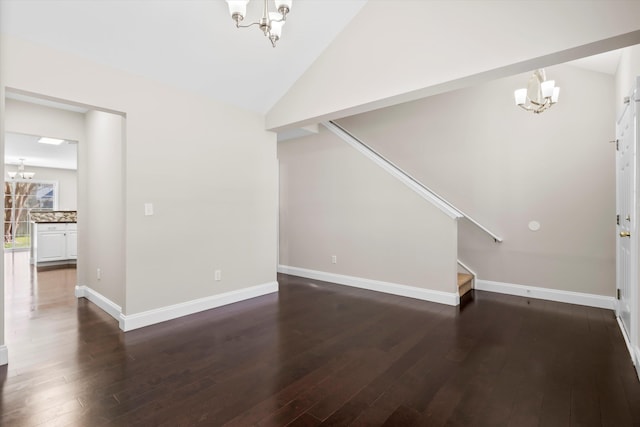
point(626, 251)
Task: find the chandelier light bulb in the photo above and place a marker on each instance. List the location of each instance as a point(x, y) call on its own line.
point(547, 88)
point(284, 7)
point(539, 95)
point(237, 9)
point(521, 96)
point(556, 94)
point(276, 23)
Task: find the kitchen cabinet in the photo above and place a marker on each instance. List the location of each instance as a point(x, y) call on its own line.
point(54, 242)
point(72, 241)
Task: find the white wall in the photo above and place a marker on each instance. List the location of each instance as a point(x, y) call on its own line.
point(506, 167)
point(32, 119)
point(413, 49)
point(209, 169)
point(67, 180)
point(334, 201)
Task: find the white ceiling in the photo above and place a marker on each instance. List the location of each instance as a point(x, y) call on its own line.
point(192, 44)
point(604, 63)
point(18, 146)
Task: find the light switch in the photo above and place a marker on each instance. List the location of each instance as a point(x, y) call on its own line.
point(148, 209)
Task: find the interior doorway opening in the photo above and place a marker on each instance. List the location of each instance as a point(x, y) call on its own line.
point(39, 177)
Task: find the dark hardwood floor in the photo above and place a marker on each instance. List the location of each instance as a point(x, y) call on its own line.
point(315, 354)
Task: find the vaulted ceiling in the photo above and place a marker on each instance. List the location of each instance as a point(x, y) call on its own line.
point(191, 44)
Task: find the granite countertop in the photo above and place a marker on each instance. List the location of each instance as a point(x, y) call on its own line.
point(54, 216)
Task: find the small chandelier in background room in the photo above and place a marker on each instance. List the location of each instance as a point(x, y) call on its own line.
point(20, 173)
point(539, 95)
point(271, 23)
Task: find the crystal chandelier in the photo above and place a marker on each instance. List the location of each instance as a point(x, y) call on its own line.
point(539, 95)
point(271, 23)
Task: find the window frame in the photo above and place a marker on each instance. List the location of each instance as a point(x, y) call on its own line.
point(14, 225)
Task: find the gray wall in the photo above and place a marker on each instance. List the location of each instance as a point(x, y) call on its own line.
point(501, 165)
point(32, 119)
point(102, 235)
point(506, 167)
point(210, 170)
point(334, 201)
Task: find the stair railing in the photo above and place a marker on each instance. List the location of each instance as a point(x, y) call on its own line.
point(406, 178)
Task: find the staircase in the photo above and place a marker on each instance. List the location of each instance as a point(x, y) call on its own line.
point(465, 283)
point(465, 280)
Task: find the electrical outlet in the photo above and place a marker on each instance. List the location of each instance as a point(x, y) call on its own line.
point(334, 259)
point(217, 275)
point(99, 274)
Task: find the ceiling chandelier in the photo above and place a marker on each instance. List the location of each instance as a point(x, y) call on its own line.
point(539, 95)
point(271, 23)
point(20, 173)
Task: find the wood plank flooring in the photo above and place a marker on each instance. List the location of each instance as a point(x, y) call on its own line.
point(314, 354)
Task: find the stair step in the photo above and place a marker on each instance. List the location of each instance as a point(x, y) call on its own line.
point(464, 283)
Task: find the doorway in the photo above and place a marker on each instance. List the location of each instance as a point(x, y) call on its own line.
point(39, 177)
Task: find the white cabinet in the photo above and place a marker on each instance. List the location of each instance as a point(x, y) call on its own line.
point(54, 242)
point(72, 242)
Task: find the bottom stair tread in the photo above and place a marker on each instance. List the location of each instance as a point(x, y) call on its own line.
point(464, 283)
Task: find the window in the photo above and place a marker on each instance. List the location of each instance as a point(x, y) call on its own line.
point(20, 197)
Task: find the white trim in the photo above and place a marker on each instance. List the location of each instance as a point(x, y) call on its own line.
point(162, 314)
point(100, 300)
point(463, 265)
point(4, 355)
point(635, 355)
point(626, 340)
point(637, 362)
point(591, 300)
point(448, 298)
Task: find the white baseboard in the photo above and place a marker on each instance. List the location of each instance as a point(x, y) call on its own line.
point(146, 318)
point(111, 308)
point(627, 341)
point(449, 298)
point(4, 355)
point(579, 298)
